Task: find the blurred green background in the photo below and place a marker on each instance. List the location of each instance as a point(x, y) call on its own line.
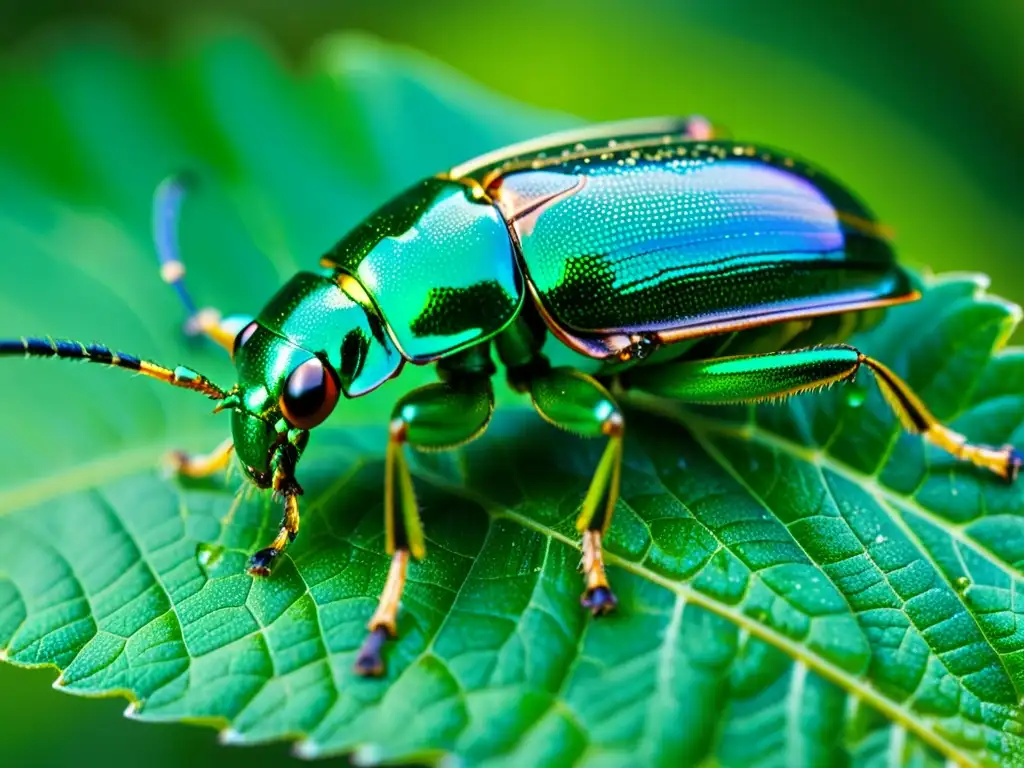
point(917, 106)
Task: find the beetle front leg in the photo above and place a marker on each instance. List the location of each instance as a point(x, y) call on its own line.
point(751, 378)
point(288, 490)
point(577, 403)
point(434, 417)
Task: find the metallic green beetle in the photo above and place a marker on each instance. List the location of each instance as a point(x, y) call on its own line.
point(663, 259)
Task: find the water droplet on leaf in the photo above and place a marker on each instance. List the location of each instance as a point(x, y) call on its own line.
point(208, 556)
point(880, 539)
point(961, 583)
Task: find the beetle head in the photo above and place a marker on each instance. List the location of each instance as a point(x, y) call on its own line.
point(283, 391)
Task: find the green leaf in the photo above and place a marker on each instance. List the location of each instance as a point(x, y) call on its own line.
point(799, 584)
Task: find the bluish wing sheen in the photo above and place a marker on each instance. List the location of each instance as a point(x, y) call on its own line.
point(691, 237)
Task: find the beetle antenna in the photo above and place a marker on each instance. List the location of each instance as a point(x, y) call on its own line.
point(166, 211)
point(185, 378)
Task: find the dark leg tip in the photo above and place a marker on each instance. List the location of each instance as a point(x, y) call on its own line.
point(261, 563)
point(370, 662)
point(599, 601)
point(1013, 464)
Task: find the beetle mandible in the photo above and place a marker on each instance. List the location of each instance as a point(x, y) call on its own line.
point(667, 260)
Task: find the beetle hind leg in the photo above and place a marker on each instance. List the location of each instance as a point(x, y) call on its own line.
point(1004, 461)
point(778, 375)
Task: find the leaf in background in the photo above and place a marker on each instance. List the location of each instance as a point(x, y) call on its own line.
point(798, 584)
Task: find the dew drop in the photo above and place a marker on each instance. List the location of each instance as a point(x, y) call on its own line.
point(208, 556)
point(880, 539)
point(961, 583)
point(855, 396)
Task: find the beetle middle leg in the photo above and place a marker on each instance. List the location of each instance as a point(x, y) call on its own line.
point(432, 418)
point(751, 378)
point(577, 403)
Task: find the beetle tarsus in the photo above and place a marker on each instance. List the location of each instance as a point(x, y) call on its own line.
point(370, 661)
point(600, 601)
point(1014, 460)
point(598, 597)
point(262, 562)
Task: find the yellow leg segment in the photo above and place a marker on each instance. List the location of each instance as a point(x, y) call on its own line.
point(208, 322)
point(384, 623)
point(598, 597)
point(262, 562)
point(203, 465)
point(915, 416)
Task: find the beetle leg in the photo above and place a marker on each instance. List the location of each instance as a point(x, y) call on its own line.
point(202, 465)
point(577, 403)
point(261, 563)
point(288, 489)
point(915, 417)
point(206, 321)
point(210, 323)
point(434, 417)
point(751, 378)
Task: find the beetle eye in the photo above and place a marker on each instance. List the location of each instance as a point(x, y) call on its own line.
point(243, 336)
point(310, 394)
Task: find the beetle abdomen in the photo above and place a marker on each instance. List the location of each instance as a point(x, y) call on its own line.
point(691, 239)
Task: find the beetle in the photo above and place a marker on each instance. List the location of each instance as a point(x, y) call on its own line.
point(650, 254)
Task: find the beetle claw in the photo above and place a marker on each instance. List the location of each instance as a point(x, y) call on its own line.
point(370, 662)
point(1014, 461)
point(261, 563)
point(600, 600)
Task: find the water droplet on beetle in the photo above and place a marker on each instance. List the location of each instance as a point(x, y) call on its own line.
point(855, 396)
point(961, 583)
point(208, 556)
